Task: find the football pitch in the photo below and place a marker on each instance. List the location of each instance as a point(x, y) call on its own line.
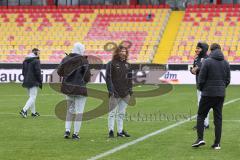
point(171, 114)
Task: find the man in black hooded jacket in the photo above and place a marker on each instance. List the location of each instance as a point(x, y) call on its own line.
point(31, 72)
point(213, 79)
point(201, 55)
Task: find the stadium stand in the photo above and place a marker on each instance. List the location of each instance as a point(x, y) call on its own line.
point(168, 38)
point(54, 30)
point(210, 23)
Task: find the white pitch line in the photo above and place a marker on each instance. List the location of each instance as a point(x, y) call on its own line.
point(109, 152)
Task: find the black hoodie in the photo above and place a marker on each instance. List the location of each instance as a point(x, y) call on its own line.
point(31, 72)
point(199, 59)
point(214, 75)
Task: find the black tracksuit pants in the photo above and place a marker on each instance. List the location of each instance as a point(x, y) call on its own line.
point(206, 103)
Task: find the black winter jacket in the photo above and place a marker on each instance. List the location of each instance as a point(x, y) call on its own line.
point(119, 78)
point(75, 71)
point(31, 72)
point(214, 75)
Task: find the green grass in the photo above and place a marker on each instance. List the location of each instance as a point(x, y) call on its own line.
point(42, 137)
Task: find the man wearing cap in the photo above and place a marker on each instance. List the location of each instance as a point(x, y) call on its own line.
point(201, 55)
point(74, 69)
point(31, 72)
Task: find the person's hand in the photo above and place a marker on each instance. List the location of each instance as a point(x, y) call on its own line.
point(194, 70)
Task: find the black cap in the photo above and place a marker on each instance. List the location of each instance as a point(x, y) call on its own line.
point(35, 50)
point(200, 45)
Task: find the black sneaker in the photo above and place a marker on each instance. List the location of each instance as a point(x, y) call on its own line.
point(66, 134)
point(216, 146)
point(110, 134)
point(123, 134)
point(206, 127)
point(35, 114)
point(23, 114)
point(75, 137)
point(198, 143)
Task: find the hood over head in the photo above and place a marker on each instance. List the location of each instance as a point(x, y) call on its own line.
point(217, 54)
point(78, 48)
point(204, 46)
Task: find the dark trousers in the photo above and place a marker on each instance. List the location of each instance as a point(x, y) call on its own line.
point(206, 103)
